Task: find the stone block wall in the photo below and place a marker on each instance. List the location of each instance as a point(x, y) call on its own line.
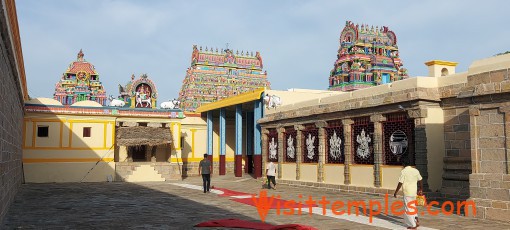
point(490, 181)
point(457, 158)
point(11, 119)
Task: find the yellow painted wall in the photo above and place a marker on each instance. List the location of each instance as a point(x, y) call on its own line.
point(334, 174)
point(53, 134)
point(28, 134)
point(435, 147)
point(362, 175)
point(65, 155)
point(230, 139)
point(68, 172)
point(186, 135)
point(289, 171)
point(390, 175)
point(308, 172)
point(200, 145)
point(96, 139)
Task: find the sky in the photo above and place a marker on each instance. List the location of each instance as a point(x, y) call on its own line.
point(298, 40)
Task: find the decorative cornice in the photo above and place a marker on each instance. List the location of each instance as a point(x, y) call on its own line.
point(440, 62)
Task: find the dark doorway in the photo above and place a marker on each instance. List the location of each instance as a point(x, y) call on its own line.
point(138, 152)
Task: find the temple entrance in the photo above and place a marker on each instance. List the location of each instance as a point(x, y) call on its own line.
point(137, 153)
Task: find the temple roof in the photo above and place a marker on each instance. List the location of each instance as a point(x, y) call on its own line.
point(81, 65)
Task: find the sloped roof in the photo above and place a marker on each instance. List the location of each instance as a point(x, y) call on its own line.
point(78, 66)
point(141, 135)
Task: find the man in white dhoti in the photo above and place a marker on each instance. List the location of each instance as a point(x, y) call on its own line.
point(409, 177)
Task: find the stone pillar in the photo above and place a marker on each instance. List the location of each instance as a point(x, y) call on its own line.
point(347, 150)
point(506, 112)
point(222, 133)
point(299, 151)
point(148, 153)
point(265, 149)
point(321, 125)
point(420, 144)
point(378, 147)
point(210, 136)
point(238, 160)
point(281, 139)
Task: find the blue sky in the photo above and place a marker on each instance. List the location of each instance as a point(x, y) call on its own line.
point(298, 40)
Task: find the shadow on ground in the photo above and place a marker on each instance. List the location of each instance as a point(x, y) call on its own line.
point(108, 206)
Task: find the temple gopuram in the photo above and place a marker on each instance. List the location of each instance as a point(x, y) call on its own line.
point(367, 57)
point(139, 93)
point(215, 75)
point(80, 82)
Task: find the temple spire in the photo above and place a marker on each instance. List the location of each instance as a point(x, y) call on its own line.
point(80, 55)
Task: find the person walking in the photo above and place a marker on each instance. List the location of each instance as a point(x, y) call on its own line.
point(205, 169)
point(409, 177)
point(271, 173)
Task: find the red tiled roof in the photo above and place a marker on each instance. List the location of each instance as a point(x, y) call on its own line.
point(82, 66)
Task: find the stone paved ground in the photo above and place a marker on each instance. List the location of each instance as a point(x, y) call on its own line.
point(163, 205)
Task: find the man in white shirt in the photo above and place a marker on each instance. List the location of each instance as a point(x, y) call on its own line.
point(271, 173)
point(409, 177)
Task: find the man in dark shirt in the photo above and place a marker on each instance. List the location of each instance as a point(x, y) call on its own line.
point(205, 169)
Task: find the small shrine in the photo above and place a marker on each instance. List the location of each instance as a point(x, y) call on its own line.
point(367, 57)
point(80, 82)
point(139, 93)
point(217, 74)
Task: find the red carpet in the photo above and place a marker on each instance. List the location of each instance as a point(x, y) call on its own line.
point(237, 223)
point(274, 204)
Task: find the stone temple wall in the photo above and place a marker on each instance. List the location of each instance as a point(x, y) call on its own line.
point(11, 122)
point(468, 112)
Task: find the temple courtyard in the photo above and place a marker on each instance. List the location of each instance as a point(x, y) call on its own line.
point(181, 204)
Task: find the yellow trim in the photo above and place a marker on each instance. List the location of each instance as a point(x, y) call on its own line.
point(239, 99)
point(179, 135)
point(67, 148)
point(24, 133)
point(61, 134)
point(34, 126)
point(104, 134)
point(219, 140)
point(65, 160)
point(88, 121)
point(45, 120)
point(113, 133)
point(440, 62)
point(175, 160)
point(193, 142)
point(70, 134)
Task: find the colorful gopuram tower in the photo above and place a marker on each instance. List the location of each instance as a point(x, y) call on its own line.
point(214, 75)
point(80, 82)
point(367, 57)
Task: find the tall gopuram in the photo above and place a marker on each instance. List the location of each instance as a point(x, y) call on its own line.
point(80, 82)
point(367, 57)
point(214, 75)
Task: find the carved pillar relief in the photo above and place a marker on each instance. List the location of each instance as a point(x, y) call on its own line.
point(299, 151)
point(347, 149)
